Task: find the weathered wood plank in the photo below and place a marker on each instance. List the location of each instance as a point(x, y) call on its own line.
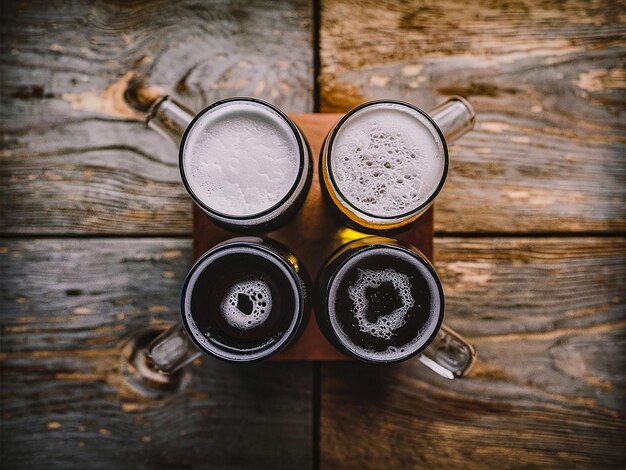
point(548, 319)
point(65, 305)
point(74, 157)
point(547, 80)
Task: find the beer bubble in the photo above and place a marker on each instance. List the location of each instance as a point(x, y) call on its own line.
point(387, 142)
point(242, 306)
point(386, 323)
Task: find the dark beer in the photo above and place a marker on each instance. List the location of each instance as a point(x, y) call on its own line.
point(245, 299)
point(379, 300)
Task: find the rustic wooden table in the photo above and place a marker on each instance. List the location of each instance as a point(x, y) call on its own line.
point(530, 233)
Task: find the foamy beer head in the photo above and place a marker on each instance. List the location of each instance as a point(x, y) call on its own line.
point(381, 301)
point(244, 162)
point(244, 300)
point(384, 164)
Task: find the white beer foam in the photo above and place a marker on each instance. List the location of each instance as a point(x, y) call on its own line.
point(241, 158)
point(387, 159)
point(385, 324)
point(259, 293)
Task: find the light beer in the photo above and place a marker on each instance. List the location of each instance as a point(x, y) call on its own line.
point(384, 163)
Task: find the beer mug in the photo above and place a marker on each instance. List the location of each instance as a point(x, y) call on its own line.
point(243, 300)
point(242, 160)
point(384, 162)
point(380, 300)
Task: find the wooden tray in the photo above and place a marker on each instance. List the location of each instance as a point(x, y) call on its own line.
point(312, 235)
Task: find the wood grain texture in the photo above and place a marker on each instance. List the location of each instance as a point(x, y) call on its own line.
point(74, 155)
point(548, 319)
point(65, 305)
point(548, 83)
point(547, 314)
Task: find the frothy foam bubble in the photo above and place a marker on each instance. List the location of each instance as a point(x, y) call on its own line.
point(247, 304)
point(385, 324)
point(241, 158)
point(392, 353)
point(387, 159)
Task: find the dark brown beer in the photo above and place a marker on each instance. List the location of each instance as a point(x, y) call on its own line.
point(244, 300)
point(380, 300)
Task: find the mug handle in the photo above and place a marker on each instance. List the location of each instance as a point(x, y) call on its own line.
point(455, 117)
point(449, 355)
point(172, 350)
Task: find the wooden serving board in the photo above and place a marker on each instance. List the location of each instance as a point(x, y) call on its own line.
point(313, 234)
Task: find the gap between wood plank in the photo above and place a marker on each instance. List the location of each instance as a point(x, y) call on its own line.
point(438, 234)
point(540, 234)
point(316, 411)
point(317, 368)
point(316, 26)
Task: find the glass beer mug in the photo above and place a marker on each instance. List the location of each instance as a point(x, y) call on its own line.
point(244, 300)
point(384, 162)
point(380, 301)
point(248, 167)
point(242, 160)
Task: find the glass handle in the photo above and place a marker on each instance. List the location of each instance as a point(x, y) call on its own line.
point(172, 350)
point(169, 118)
point(449, 355)
point(455, 117)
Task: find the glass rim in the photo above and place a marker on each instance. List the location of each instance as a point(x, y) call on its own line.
point(219, 251)
point(229, 217)
point(386, 246)
point(345, 200)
